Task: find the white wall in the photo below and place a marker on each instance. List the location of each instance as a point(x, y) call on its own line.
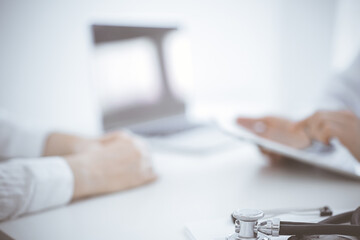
point(250, 55)
point(44, 69)
point(319, 39)
point(306, 40)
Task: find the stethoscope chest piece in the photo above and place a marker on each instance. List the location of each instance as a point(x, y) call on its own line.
point(247, 226)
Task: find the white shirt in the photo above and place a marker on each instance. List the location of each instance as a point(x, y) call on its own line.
point(344, 91)
point(29, 182)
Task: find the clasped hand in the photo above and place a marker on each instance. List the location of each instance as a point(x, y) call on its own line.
point(321, 126)
point(114, 162)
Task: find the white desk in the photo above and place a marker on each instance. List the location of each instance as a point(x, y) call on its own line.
point(189, 188)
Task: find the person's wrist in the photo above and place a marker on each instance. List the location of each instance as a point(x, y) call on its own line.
point(80, 165)
point(81, 145)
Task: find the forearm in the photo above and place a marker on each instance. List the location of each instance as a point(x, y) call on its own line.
point(117, 165)
point(60, 144)
point(84, 175)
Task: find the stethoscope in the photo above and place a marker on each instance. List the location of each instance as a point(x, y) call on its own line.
point(248, 227)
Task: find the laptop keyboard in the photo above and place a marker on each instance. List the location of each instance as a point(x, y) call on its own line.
point(163, 127)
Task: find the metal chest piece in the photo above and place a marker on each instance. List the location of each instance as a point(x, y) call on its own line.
point(245, 224)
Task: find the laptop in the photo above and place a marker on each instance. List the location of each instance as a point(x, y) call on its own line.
point(131, 72)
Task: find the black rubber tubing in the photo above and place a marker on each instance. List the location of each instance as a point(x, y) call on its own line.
point(319, 229)
point(327, 226)
point(340, 218)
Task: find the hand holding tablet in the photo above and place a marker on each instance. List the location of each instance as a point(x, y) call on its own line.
point(279, 138)
point(276, 129)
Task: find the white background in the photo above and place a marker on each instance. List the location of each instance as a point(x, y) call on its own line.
point(249, 56)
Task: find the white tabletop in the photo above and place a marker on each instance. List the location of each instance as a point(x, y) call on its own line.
point(190, 187)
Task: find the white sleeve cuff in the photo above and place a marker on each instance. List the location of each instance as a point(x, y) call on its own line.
point(53, 183)
point(30, 185)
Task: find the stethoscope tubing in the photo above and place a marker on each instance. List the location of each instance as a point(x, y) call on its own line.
point(328, 226)
point(319, 229)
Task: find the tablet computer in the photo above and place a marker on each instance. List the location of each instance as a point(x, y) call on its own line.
point(335, 157)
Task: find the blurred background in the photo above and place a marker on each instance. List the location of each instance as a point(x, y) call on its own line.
point(248, 56)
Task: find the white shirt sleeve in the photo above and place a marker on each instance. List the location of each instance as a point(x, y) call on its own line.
point(344, 91)
point(29, 185)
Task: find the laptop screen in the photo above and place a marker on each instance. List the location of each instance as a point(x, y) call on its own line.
point(126, 74)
